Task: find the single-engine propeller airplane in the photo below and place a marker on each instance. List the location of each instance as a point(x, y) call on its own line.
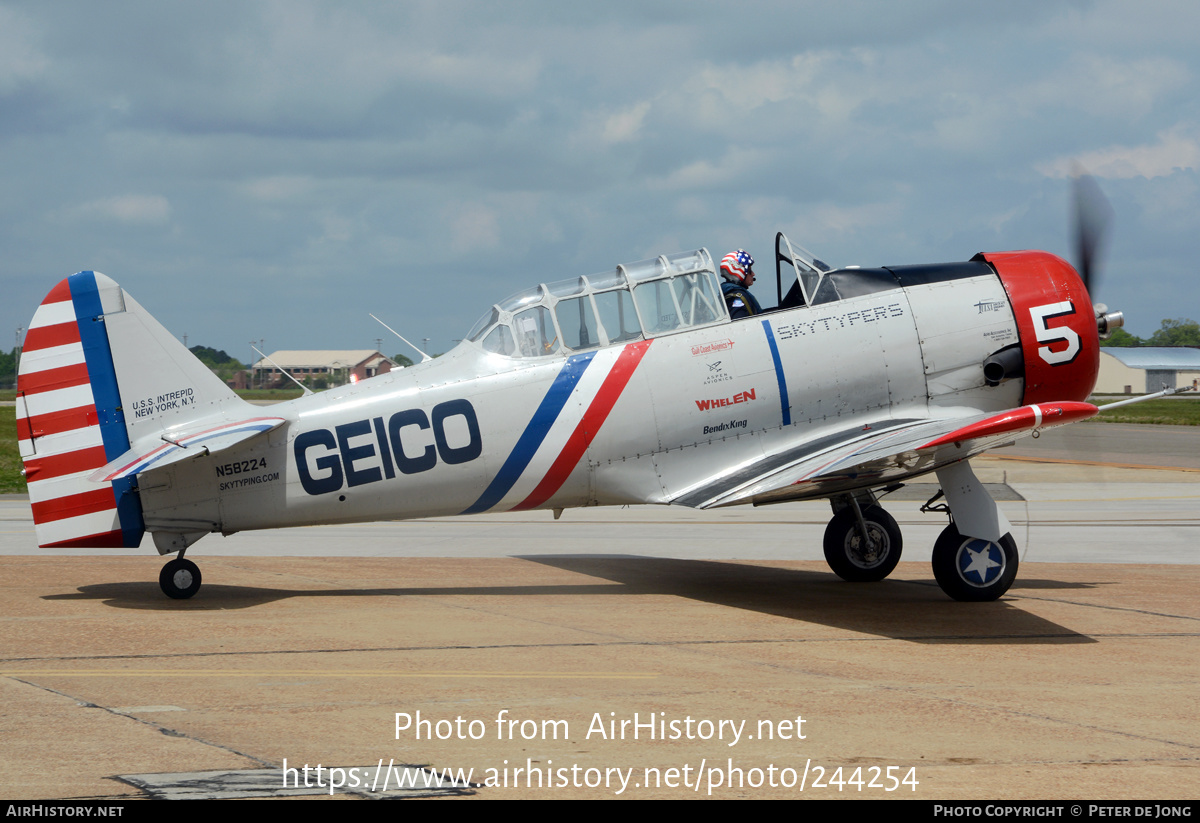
point(632, 386)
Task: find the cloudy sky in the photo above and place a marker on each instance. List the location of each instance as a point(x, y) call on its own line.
point(260, 170)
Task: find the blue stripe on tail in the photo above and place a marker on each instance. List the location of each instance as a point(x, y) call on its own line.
point(102, 376)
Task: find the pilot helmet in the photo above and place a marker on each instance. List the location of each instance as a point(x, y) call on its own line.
point(735, 265)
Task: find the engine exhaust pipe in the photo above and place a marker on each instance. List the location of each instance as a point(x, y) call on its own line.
point(1004, 365)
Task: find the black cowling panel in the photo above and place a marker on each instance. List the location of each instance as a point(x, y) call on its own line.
point(939, 272)
point(859, 282)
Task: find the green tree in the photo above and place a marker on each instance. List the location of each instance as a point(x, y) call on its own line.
point(1123, 339)
point(217, 361)
point(214, 357)
point(402, 360)
point(1178, 332)
point(8, 368)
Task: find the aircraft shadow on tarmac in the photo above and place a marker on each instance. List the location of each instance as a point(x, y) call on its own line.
point(915, 611)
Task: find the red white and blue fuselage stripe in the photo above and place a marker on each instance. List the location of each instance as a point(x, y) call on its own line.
point(70, 423)
point(559, 433)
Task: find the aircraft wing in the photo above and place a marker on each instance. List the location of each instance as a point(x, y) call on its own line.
point(196, 440)
point(877, 454)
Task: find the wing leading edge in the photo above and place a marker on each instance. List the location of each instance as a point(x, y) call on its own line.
point(877, 454)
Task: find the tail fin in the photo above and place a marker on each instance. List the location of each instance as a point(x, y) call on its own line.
point(98, 372)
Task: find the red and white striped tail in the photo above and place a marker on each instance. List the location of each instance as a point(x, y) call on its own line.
point(70, 420)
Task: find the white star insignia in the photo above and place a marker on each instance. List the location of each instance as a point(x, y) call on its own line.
point(981, 561)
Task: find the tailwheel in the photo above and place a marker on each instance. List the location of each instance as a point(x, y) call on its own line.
point(179, 579)
point(857, 560)
point(971, 569)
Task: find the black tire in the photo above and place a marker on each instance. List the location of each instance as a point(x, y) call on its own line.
point(179, 579)
point(846, 554)
point(974, 570)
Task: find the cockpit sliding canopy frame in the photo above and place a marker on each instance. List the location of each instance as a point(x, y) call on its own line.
point(663, 295)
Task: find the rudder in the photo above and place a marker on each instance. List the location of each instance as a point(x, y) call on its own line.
point(96, 373)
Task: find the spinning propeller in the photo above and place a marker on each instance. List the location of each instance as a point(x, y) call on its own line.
point(1092, 214)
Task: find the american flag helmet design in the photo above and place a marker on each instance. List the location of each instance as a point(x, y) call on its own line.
point(735, 265)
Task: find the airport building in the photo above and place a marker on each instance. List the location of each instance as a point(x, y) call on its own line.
point(334, 368)
point(1147, 369)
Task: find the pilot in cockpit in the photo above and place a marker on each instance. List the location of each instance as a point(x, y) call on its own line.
point(535, 332)
point(737, 269)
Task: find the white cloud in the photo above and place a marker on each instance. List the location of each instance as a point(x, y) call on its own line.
point(625, 125)
point(825, 222)
point(702, 174)
point(358, 138)
point(1175, 149)
point(139, 209)
point(475, 227)
point(1103, 85)
point(280, 187)
point(331, 66)
point(693, 208)
point(828, 86)
point(336, 229)
point(20, 59)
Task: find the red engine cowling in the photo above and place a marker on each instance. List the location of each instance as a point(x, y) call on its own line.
point(1056, 324)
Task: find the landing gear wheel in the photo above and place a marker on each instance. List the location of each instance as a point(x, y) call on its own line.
point(179, 579)
point(849, 555)
point(971, 569)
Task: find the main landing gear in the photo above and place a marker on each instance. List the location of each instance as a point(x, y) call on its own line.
point(971, 569)
point(863, 544)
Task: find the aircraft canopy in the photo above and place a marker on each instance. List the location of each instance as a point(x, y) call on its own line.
point(663, 295)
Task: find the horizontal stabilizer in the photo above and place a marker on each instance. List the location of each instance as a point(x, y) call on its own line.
point(196, 440)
